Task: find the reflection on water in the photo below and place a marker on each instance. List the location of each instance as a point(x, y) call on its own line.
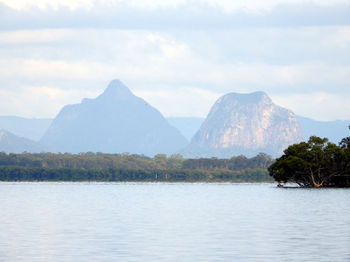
point(172, 222)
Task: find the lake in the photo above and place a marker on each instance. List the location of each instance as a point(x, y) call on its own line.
point(172, 222)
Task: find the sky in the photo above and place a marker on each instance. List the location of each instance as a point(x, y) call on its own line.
point(179, 55)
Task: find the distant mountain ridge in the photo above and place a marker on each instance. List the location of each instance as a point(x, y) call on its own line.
point(115, 122)
point(335, 131)
point(245, 124)
point(10, 143)
point(31, 128)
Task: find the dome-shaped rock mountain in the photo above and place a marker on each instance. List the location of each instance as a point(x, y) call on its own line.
point(245, 124)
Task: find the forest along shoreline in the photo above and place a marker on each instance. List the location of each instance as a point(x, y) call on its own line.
point(132, 168)
point(313, 164)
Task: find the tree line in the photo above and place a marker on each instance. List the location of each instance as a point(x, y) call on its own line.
point(125, 167)
point(124, 175)
point(126, 161)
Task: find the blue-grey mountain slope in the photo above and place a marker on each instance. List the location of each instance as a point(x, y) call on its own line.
point(188, 126)
point(245, 124)
point(115, 122)
point(10, 143)
point(333, 130)
point(31, 128)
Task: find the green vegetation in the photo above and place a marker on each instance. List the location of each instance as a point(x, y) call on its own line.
point(316, 163)
point(126, 167)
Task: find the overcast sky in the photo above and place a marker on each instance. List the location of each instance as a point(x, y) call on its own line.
point(179, 55)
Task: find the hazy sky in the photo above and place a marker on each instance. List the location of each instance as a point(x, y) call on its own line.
point(179, 55)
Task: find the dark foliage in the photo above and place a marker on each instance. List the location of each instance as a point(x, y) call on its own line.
point(111, 174)
point(235, 163)
point(125, 167)
point(317, 163)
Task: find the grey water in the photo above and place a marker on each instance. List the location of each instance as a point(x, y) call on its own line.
point(172, 222)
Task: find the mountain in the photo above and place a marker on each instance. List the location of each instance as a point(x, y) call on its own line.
point(245, 124)
point(10, 143)
point(31, 128)
point(188, 126)
point(333, 130)
point(115, 122)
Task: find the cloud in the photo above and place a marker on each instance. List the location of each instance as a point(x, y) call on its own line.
point(48, 69)
point(179, 55)
point(158, 65)
point(274, 46)
point(186, 15)
point(228, 6)
point(186, 69)
point(38, 101)
point(11, 38)
point(278, 46)
point(175, 89)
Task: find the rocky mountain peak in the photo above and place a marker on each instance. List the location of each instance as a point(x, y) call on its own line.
point(238, 100)
point(246, 98)
point(246, 124)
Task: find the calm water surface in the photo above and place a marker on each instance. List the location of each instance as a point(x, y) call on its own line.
point(172, 222)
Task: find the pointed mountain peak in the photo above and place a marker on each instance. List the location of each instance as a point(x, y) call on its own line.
point(116, 121)
point(116, 90)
